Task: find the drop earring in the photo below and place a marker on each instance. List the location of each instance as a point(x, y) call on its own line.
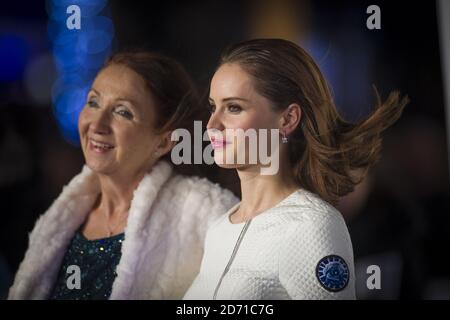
point(284, 139)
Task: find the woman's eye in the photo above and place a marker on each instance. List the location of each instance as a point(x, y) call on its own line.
point(211, 108)
point(92, 103)
point(125, 113)
point(234, 108)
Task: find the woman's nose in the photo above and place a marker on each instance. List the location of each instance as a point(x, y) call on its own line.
point(215, 122)
point(102, 122)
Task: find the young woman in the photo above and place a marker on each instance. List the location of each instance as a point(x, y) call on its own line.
point(127, 226)
point(284, 240)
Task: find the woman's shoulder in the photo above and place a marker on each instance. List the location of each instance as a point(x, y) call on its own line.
point(316, 237)
point(304, 206)
point(305, 218)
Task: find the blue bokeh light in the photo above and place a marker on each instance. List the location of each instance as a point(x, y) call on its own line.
point(67, 108)
point(78, 55)
point(57, 9)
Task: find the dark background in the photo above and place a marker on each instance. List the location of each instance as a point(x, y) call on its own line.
point(398, 217)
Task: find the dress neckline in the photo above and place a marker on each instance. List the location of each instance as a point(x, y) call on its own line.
point(111, 238)
point(236, 207)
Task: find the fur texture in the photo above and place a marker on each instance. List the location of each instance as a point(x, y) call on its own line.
point(164, 236)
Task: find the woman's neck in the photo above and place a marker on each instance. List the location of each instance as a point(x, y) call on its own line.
point(116, 193)
point(262, 192)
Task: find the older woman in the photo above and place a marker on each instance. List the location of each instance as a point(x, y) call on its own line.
point(128, 226)
point(285, 240)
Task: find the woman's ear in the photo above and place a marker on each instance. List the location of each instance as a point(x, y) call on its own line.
point(165, 145)
point(290, 118)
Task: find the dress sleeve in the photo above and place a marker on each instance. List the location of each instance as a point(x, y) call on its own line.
point(316, 258)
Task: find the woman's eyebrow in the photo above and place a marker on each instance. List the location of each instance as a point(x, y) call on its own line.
point(95, 91)
point(230, 98)
point(126, 100)
point(131, 101)
point(234, 98)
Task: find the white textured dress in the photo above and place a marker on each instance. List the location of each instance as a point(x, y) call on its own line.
point(299, 249)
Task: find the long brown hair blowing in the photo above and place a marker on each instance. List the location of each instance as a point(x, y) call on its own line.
point(328, 155)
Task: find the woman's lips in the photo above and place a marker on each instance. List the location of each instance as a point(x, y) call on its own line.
point(218, 143)
point(100, 147)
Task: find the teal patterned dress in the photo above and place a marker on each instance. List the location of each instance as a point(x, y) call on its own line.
point(97, 261)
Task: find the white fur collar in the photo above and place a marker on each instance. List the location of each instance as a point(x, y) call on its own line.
point(56, 227)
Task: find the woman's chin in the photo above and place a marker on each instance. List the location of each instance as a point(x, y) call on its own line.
point(227, 163)
point(221, 161)
point(227, 166)
point(99, 167)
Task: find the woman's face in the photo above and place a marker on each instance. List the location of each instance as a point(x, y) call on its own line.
point(116, 125)
point(236, 105)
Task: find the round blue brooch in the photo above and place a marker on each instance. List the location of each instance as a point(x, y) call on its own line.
point(332, 273)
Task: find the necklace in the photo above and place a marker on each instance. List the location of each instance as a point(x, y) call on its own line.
point(233, 255)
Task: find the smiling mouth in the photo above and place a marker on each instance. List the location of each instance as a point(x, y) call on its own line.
point(100, 147)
